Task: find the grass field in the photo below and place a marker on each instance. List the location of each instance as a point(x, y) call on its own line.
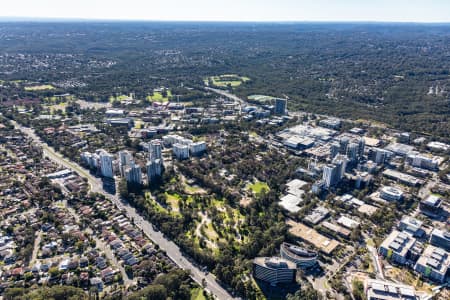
point(119, 98)
point(158, 97)
point(226, 80)
point(197, 294)
point(173, 201)
point(258, 187)
point(260, 98)
point(39, 88)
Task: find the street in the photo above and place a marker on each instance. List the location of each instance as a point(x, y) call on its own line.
point(172, 250)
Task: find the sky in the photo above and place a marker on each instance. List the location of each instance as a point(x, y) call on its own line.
point(233, 10)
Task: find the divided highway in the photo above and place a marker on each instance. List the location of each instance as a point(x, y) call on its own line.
point(172, 250)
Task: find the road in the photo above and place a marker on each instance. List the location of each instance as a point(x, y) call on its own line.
point(228, 95)
point(375, 259)
point(171, 249)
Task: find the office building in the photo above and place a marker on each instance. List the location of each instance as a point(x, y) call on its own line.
point(340, 161)
point(390, 193)
point(412, 226)
point(133, 174)
point(386, 290)
point(317, 215)
point(330, 175)
point(154, 169)
point(432, 206)
point(440, 238)
point(404, 137)
point(353, 152)
point(433, 264)
point(274, 270)
point(397, 247)
point(361, 147)
point(181, 151)
point(343, 142)
point(303, 258)
point(380, 156)
point(331, 123)
point(420, 161)
point(106, 164)
point(280, 106)
point(197, 148)
point(334, 149)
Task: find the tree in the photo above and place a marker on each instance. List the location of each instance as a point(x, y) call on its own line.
point(358, 290)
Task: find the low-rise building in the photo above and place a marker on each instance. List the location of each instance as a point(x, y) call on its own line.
point(431, 206)
point(418, 160)
point(303, 258)
point(433, 263)
point(397, 246)
point(385, 290)
point(390, 193)
point(347, 222)
point(274, 270)
point(317, 215)
point(440, 238)
point(412, 226)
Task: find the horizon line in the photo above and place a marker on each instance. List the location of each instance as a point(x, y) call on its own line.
point(18, 19)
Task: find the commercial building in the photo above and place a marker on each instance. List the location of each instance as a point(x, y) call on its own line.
point(400, 149)
point(106, 164)
point(341, 163)
point(303, 258)
point(412, 226)
point(274, 270)
point(440, 238)
point(402, 177)
point(330, 175)
point(336, 229)
point(438, 146)
point(317, 215)
point(385, 290)
point(380, 156)
point(114, 113)
point(310, 235)
point(404, 137)
point(181, 151)
point(390, 193)
point(433, 263)
point(399, 247)
point(334, 149)
point(280, 106)
point(331, 123)
point(128, 122)
point(420, 161)
point(353, 152)
point(432, 206)
point(347, 222)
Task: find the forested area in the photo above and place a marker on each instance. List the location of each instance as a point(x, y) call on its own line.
point(391, 73)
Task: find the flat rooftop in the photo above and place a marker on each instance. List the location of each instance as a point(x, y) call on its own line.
point(311, 236)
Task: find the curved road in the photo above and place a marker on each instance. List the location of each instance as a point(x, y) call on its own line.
point(172, 250)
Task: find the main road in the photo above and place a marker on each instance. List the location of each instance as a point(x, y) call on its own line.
point(228, 95)
point(171, 249)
